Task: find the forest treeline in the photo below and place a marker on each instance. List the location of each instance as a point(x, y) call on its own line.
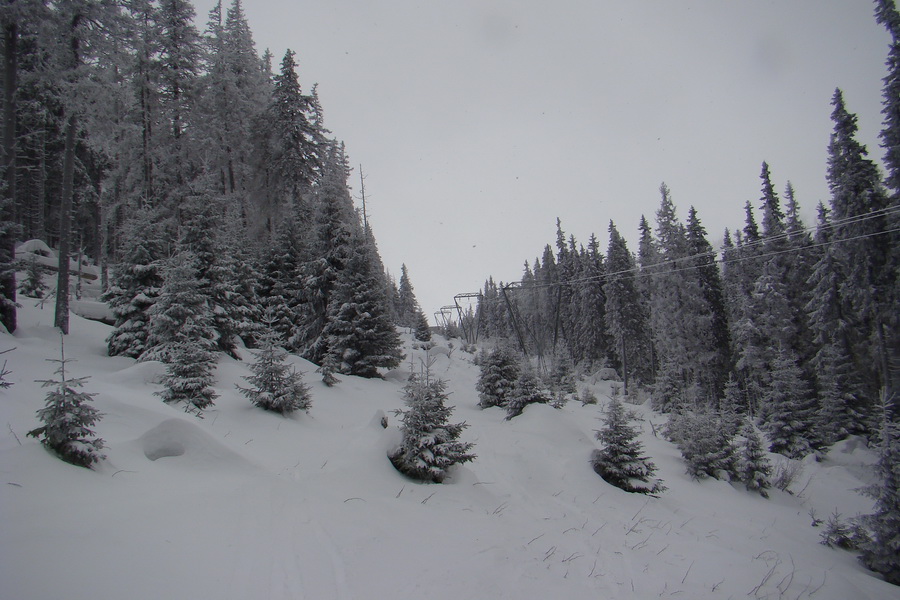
point(795, 325)
point(168, 156)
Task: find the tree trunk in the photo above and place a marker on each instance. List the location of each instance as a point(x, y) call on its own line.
point(8, 241)
point(65, 227)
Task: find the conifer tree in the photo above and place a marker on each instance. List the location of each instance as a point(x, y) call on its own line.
point(359, 336)
point(295, 159)
point(33, 286)
point(527, 390)
point(335, 224)
point(68, 418)
point(620, 461)
point(881, 553)
point(887, 14)
point(753, 465)
point(279, 285)
point(789, 409)
point(135, 287)
point(704, 442)
point(430, 443)
point(858, 203)
point(626, 316)
point(180, 315)
point(422, 330)
point(276, 386)
point(593, 343)
point(499, 372)
point(407, 305)
point(189, 375)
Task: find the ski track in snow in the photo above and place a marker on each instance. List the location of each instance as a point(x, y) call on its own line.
point(248, 504)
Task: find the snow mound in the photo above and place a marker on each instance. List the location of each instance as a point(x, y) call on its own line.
point(175, 438)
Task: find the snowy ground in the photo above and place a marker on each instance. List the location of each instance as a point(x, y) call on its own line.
point(247, 504)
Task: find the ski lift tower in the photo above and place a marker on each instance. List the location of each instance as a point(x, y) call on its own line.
point(469, 321)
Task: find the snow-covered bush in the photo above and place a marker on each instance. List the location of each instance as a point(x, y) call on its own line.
point(620, 461)
point(68, 418)
point(430, 443)
point(785, 473)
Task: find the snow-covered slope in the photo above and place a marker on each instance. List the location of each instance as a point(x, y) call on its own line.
point(248, 504)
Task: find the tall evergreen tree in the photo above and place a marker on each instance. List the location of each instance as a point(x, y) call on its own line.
point(359, 335)
point(407, 304)
point(136, 284)
point(881, 552)
point(181, 314)
point(858, 203)
point(625, 315)
point(789, 409)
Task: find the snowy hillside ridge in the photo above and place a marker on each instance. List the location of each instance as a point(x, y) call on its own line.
point(247, 503)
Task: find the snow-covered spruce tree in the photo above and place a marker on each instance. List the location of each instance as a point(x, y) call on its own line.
point(135, 285)
point(790, 410)
point(359, 336)
point(497, 378)
point(334, 224)
point(705, 444)
point(527, 390)
point(881, 553)
point(181, 313)
point(753, 466)
point(189, 375)
point(430, 444)
point(407, 304)
point(68, 417)
point(33, 285)
point(626, 314)
point(422, 330)
point(860, 210)
point(275, 385)
point(620, 461)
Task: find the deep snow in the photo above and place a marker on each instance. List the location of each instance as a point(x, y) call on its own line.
point(249, 504)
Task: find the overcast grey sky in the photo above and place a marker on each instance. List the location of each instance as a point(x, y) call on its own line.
point(479, 122)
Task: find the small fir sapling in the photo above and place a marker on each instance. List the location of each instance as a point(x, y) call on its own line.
point(838, 534)
point(4, 372)
point(587, 397)
point(68, 418)
point(33, 285)
point(527, 390)
point(275, 385)
point(430, 444)
point(754, 467)
point(327, 371)
point(620, 462)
